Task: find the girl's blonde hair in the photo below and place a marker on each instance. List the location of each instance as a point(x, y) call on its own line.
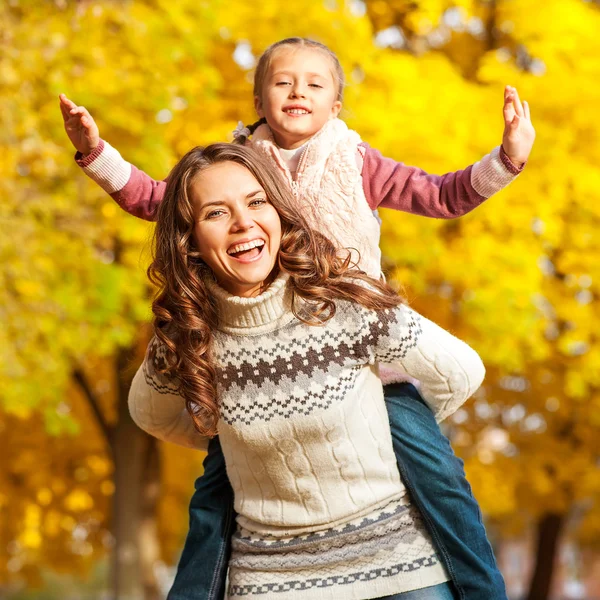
point(264, 62)
point(185, 314)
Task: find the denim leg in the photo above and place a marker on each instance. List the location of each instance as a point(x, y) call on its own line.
point(443, 591)
point(202, 569)
point(436, 480)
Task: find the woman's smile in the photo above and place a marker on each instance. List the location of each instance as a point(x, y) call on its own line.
point(247, 251)
point(237, 231)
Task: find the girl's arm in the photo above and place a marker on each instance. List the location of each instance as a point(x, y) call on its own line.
point(156, 407)
point(448, 370)
point(132, 189)
point(392, 184)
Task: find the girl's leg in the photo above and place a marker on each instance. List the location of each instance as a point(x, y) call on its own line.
point(435, 478)
point(443, 591)
point(202, 569)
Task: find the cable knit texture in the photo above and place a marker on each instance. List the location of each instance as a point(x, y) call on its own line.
point(322, 511)
point(329, 189)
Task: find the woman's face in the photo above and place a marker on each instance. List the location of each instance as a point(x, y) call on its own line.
point(237, 229)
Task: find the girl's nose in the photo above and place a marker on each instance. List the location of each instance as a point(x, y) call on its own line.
point(297, 91)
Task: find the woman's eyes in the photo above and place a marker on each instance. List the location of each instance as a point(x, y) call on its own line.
point(255, 203)
point(258, 202)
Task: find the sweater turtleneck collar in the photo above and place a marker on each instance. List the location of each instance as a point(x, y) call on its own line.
point(252, 316)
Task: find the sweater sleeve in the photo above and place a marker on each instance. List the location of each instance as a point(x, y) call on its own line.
point(157, 408)
point(391, 184)
point(133, 190)
point(448, 370)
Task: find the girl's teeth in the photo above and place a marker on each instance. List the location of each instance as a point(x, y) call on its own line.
point(297, 111)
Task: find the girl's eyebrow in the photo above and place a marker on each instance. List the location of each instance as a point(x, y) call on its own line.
point(279, 73)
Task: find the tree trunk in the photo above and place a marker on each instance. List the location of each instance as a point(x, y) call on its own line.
point(130, 447)
point(549, 528)
point(148, 533)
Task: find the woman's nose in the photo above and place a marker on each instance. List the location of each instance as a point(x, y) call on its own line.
point(242, 220)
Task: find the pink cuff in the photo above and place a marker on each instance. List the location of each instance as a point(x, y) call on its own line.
point(85, 160)
point(509, 164)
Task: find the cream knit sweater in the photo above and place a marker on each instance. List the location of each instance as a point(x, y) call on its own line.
point(322, 512)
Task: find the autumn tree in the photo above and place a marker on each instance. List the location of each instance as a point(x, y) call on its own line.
point(520, 276)
point(517, 278)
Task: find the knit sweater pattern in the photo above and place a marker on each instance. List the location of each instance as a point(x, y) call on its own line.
point(322, 511)
point(329, 191)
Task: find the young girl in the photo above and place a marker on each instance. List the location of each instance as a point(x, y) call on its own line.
point(339, 181)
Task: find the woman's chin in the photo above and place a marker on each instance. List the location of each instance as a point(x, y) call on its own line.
point(248, 287)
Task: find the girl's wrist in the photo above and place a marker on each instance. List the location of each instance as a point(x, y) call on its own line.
point(513, 164)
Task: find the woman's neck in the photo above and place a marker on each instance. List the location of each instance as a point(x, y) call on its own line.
point(258, 314)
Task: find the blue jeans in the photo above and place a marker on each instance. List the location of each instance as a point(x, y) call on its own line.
point(202, 568)
point(436, 480)
point(432, 473)
point(443, 591)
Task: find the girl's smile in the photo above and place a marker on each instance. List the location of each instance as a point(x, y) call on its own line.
point(299, 95)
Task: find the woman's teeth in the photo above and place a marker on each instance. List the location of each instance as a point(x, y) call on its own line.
point(245, 247)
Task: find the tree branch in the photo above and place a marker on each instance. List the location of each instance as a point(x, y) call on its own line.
point(106, 429)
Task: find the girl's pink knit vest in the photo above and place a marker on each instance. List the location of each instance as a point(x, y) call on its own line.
point(329, 189)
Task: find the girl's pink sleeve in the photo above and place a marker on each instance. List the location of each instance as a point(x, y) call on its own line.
point(391, 184)
point(133, 190)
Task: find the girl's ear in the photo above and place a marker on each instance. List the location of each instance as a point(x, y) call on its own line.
point(335, 109)
point(258, 107)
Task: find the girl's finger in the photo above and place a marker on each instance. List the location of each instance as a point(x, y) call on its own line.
point(526, 110)
point(517, 103)
point(508, 108)
point(514, 124)
point(68, 103)
point(64, 111)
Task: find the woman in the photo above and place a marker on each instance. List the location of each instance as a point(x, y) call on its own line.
point(269, 337)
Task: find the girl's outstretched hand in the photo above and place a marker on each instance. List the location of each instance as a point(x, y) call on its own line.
point(519, 133)
point(79, 125)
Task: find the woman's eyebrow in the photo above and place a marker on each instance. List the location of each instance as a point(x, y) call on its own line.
point(213, 203)
point(254, 193)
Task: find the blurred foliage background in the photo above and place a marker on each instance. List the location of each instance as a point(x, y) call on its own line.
point(90, 507)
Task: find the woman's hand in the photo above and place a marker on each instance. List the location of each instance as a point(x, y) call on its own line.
point(519, 133)
point(79, 125)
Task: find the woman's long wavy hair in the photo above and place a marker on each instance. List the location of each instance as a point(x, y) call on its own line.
point(185, 315)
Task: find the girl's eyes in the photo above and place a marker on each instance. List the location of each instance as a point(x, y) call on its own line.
point(282, 83)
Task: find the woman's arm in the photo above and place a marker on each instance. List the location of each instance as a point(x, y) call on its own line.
point(448, 370)
point(157, 408)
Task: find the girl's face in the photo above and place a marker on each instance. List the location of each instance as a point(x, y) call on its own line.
point(237, 230)
point(299, 95)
